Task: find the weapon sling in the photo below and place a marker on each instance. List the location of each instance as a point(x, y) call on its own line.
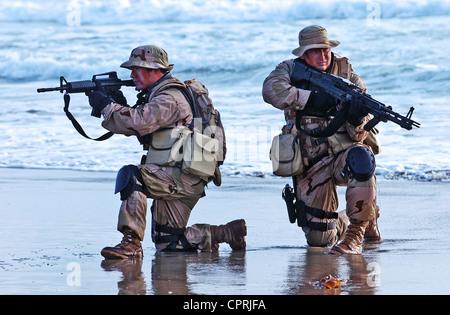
point(330, 129)
point(77, 125)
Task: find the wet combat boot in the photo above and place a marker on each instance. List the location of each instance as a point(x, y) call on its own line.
point(233, 233)
point(372, 233)
point(352, 242)
point(129, 247)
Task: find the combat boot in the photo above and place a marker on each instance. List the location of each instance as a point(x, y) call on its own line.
point(372, 233)
point(233, 233)
point(129, 247)
point(352, 242)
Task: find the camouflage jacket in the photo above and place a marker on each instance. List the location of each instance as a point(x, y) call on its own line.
point(163, 108)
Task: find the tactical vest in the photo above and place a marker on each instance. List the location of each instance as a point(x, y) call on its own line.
point(186, 145)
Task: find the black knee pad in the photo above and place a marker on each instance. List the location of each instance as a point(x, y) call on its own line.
point(360, 163)
point(128, 179)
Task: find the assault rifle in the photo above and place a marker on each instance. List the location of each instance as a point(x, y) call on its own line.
point(345, 92)
point(108, 85)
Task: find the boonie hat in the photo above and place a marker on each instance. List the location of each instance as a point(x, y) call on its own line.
point(149, 56)
point(313, 36)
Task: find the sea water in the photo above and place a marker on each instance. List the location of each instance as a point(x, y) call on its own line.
point(399, 48)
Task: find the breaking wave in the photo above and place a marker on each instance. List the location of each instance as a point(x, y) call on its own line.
point(100, 12)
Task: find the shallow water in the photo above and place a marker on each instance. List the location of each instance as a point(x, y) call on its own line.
point(52, 242)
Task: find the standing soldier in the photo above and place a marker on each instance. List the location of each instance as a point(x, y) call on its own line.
point(345, 158)
point(161, 106)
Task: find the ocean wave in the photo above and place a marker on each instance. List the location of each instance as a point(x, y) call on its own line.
point(100, 12)
point(237, 172)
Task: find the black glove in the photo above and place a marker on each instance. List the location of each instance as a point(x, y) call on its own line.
point(98, 100)
point(319, 103)
point(118, 97)
point(357, 111)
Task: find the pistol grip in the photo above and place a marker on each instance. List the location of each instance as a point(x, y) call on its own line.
point(96, 113)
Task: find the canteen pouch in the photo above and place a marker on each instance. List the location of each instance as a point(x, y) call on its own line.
point(200, 155)
point(286, 156)
point(166, 146)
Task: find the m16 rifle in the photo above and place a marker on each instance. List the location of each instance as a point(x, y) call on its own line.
point(108, 83)
point(345, 92)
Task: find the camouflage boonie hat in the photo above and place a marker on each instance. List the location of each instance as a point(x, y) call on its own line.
point(149, 56)
point(313, 36)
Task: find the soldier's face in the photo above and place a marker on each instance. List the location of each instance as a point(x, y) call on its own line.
point(318, 58)
point(144, 78)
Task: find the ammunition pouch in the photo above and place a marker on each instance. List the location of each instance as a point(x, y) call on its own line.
point(193, 151)
point(165, 146)
point(200, 157)
point(286, 155)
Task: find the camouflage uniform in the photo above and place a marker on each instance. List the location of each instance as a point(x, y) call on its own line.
point(324, 158)
point(175, 193)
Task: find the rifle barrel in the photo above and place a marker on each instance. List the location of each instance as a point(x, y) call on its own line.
point(49, 89)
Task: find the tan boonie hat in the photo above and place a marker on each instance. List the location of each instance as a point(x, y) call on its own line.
point(149, 56)
point(313, 36)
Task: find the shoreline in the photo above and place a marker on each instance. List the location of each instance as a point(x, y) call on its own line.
point(57, 221)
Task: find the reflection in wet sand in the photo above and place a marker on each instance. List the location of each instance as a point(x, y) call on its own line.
point(179, 273)
point(305, 272)
point(185, 273)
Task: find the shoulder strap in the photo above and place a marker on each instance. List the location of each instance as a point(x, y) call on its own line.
point(190, 98)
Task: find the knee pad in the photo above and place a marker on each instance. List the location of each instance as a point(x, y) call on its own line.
point(128, 179)
point(360, 163)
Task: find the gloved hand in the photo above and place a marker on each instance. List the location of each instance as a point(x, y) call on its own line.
point(118, 97)
point(319, 103)
point(98, 100)
point(357, 112)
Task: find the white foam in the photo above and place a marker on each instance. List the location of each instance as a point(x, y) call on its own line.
point(100, 12)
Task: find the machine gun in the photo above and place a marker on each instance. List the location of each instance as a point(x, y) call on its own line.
point(108, 85)
point(345, 92)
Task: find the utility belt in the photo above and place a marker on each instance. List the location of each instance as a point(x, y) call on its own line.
point(297, 211)
point(194, 152)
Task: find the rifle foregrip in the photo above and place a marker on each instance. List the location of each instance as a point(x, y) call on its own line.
point(81, 86)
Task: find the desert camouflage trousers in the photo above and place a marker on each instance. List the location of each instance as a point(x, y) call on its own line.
point(317, 187)
point(175, 194)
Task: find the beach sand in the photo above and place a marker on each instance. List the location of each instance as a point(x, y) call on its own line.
point(55, 222)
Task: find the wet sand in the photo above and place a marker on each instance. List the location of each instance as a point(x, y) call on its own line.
point(55, 223)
